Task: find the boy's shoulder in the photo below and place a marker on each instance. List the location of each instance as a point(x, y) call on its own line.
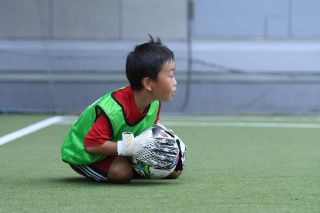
point(123, 91)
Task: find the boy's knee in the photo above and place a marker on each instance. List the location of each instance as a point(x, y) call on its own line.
point(120, 171)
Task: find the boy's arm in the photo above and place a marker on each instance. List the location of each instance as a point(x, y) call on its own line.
point(98, 141)
point(156, 153)
point(107, 148)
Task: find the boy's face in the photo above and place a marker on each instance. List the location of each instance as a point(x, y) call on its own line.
point(164, 87)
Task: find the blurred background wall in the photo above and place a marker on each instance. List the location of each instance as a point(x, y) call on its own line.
point(233, 57)
point(92, 19)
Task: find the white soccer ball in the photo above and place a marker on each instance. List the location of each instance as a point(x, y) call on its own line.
point(146, 171)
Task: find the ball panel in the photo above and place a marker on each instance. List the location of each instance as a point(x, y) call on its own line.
point(149, 172)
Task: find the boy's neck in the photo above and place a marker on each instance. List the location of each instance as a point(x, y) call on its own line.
point(142, 99)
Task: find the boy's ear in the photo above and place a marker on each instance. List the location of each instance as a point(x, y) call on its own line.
point(146, 83)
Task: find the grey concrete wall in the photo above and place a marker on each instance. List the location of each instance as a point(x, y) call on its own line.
point(253, 18)
point(247, 56)
point(92, 19)
point(165, 18)
point(86, 19)
point(276, 76)
point(133, 19)
point(25, 19)
point(211, 97)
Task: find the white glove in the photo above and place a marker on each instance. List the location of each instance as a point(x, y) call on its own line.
point(129, 145)
point(182, 148)
point(169, 131)
point(158, 152)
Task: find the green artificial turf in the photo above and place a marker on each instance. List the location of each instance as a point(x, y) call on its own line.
point(230, 169)
point(9, 123)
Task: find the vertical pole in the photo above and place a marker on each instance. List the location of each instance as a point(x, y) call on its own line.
point(189, 52)
point(120, 19)
point(290, 4)
point(47, 55)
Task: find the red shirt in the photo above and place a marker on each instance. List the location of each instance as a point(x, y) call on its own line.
point(101, 129)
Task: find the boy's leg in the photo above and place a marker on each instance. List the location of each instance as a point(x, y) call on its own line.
point(97, 171)
point(113, 169)
point(120, 170)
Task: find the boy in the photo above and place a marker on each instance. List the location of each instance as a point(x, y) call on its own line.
point(91, 146)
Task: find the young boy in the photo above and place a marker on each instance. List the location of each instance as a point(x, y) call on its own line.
point(91, 147)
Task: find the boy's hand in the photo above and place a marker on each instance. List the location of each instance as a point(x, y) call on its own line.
point(156, 152)
point(131, 145)
point(182, 148)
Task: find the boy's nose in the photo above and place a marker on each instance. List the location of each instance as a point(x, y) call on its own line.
point(175, 82)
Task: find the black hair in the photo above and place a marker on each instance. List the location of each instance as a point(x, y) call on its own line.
point(146, 60)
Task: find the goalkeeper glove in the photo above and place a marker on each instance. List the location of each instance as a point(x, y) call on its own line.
point(129, 145)
point(157, 152)
point(182, 148)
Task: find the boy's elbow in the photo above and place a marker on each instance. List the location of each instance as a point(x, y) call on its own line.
point(90, 149)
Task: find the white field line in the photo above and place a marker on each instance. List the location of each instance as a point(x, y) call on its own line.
point(69, 120)
point(30, 129)
point(243, 124)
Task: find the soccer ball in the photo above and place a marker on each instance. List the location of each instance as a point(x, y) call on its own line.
point(147, 171)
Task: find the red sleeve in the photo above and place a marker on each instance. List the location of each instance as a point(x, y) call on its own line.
point(158, 115)
point(99, 132)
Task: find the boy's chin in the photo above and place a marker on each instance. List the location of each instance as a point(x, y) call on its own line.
point(169, 99)
point(165, 99)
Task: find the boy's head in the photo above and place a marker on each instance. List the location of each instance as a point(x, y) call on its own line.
point(146, 61)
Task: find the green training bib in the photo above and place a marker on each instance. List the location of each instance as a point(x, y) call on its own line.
point(73, 150)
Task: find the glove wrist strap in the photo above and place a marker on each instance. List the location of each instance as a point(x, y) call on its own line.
point(124, 146)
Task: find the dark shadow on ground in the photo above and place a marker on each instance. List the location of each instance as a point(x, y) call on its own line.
point(134, 182)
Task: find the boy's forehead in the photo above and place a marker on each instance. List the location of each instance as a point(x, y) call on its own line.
point(170, 65)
